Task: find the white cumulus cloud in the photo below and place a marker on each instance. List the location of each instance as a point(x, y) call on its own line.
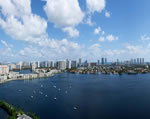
point(132, 49)
point(66, 14)
point(52, 49)
point(107, 14)
point(97, 30)
point(102, 39)
point(20, 23)
point(95, 5)
point(72, 32)
point(89, 21)
point(94, 51)
point(114, 52)
point(111, 38)
point(6, 52)
point(145, 37)
point(15, 7)
point(6, 44)
point(63, 12)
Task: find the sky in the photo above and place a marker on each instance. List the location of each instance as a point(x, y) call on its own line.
point(36, 30)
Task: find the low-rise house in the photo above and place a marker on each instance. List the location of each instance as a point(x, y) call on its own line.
point(24, 116)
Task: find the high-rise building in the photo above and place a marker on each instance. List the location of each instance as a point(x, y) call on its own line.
point(68, 64)
point(38, 64)
point(138, 60)
point(33, 66)
point(98, 62)
point(26, 64)
point(142, 60)
point(43, 64)
point(118, 61)
point(18, 66)
point(49, 63)
point(73, 64)
point(61, 65)
point(46, 65)
point(85, 63)
point(12, 66)
point(80, 62)
point(4, 69)
point(105, 60)
point(134, 61)
point(52, 63)
point(102, 60)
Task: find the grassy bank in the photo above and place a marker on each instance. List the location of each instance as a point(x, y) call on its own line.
point(13, 112)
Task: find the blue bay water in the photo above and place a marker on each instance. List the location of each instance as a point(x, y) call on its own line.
point(82, 96)
point(3, 114)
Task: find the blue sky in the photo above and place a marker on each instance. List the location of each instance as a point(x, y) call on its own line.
point(69, 29)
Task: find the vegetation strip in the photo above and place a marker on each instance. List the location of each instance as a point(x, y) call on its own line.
point(14, 112)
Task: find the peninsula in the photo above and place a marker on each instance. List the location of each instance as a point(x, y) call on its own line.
point(38, 73)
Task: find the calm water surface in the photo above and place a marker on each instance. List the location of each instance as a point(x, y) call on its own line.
point(3, 114)
point(82, 96)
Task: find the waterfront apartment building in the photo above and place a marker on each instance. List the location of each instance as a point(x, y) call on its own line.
point(4, 69)
point(33, 66)
point(73, 64)
point(43, 64)
point(68, 64)
point(26, 64)
point(12, 66)
point(61, 65)
point(18, 67)
point(51, 64)
point(38, 64)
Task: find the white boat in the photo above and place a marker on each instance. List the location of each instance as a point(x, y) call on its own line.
point(54, 86)
point(40, 92)
point(55, 98)
point(66, 92)
point(75, 108)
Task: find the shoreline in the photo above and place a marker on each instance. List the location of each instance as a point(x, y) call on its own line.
point(30, 76)
point(5, 81)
